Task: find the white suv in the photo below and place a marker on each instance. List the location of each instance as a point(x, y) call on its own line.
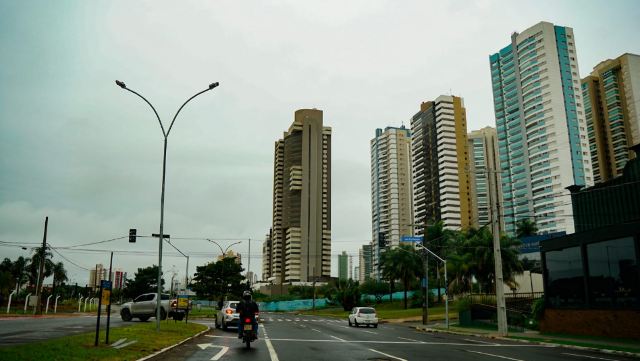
point(227, 316)
point(363, 316)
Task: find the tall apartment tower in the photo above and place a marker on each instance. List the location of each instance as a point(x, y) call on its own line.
point(611, 96)
point(343, 266)
point(299, 242)
point(483, 155)
point(439, 157)
point(365, 262)
point(391, 203)
point(541, 126)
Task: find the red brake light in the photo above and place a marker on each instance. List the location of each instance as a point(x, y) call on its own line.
point(358, 314)
point(229, 311)
point(174, 304)
point(256, 313)
point(376, 314)
point(247, 320)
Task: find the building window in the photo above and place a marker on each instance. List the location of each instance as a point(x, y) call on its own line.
point(565, 282)
point(613, 273)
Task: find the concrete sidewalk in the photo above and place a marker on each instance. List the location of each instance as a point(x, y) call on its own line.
point(441, 326)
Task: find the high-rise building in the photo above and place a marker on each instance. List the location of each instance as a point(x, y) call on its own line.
point(365, 261)
point(102, 274)
point(343, 266)
point(356, 272)
point(299, 244)
point(350, 267)
point(541, 126)
point(439, 158)
point(483, 156)
point(391, 201)
point(230, 254)
point(611, 96)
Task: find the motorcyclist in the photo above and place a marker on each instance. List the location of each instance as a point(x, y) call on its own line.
point(247, 309)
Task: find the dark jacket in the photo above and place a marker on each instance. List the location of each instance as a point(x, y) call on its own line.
point(247, 309)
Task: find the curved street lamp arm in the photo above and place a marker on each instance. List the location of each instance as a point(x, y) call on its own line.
point(225, 251)
point(216, 245)
point(185, 103)
point(154, 109)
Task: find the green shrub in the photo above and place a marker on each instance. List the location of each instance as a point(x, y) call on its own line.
point(280, 298)
point(416, 300)
point(537, 310)
point(463, 304)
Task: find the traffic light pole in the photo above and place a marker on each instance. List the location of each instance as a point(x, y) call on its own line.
point(446, 300)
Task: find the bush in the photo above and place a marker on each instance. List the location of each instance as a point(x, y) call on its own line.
point(463, 304)
point(537, 310)
point(416, 300)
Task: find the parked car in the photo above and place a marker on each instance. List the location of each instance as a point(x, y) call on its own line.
point(363, 316)
point(227, 316)
point(145, 306)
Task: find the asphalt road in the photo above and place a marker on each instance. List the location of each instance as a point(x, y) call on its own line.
point(287, 337)
point(22, 330)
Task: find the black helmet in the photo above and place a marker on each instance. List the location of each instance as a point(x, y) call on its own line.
point(246, 295)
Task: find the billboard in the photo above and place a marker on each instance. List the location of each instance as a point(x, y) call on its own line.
point(532, 244)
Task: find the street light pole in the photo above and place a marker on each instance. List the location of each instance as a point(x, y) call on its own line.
point(425, 301)
point(223, 253)
point(164, 168)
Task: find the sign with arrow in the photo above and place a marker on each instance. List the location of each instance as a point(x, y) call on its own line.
point(219, 354)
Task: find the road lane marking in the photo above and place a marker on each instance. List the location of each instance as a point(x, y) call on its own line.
point(316, 330)
point(219, 336)
point(219, 354)
point(272, 351)
point(408, 339)
point(490, 343)
point(597, 358)
point(125, 344)
point(118, 342)
point(386, 354)
point(371, 332)
point(488, 354)
point(408, 342)
point(338, 338)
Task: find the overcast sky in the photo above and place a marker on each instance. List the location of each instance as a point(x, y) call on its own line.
point(77, 148)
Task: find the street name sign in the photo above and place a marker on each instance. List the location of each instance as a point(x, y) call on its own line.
point(411, 239)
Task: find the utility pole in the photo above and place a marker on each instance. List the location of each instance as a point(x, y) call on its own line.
point(249, 267)
point(425, 293)
point(41, 272)
point(501, 307)
point(314, 289)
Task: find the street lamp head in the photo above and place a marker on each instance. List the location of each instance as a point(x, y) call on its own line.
point(121, 84)
point(213, 85)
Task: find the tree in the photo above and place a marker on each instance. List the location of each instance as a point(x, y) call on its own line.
point(437, 241)
point(303, 292)
point(375, 288)
point(327, 290)
point(19, 270)
point(348, 293)
point(34, 265)
point(144, 281)
point(526, 228)
point(6, 280)
point(402, 263)
point(218, 279)
point(59, 275)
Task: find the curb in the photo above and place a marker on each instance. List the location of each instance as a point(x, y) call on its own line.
point(174, 346)
point(610, 352)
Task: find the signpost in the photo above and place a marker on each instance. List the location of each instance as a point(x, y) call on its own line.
point(183, 301)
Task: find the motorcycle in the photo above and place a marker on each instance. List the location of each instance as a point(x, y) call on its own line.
point(248, 335)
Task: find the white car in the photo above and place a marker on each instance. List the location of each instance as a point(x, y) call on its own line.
point(227, 316)
point(363, 316)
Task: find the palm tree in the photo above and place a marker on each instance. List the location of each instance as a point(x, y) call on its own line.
point(526, 228)
point(460, 268)
point(389, 269)
point(19, 270)
point(404, 264)
point(34, 265)
point(437, 241)
point(482, 240)
point(59, 275)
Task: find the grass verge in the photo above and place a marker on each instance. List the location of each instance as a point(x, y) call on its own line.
point(594, 338)
point(581, 344)
point(81, 347)
point(203, 313)
point(458, 331)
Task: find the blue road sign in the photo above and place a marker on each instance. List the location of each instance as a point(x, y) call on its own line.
point(106, 285)
point(411, 239)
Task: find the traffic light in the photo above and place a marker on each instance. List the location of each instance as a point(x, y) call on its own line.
point(382, 240)
point(132, 235)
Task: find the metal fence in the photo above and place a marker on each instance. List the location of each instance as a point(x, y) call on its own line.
point(518, 302)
